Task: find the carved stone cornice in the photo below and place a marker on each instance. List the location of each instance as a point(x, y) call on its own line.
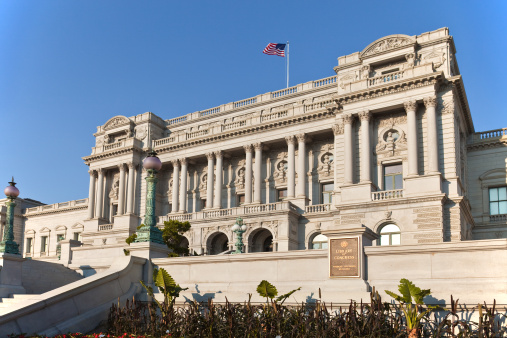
point(248, 148)
point(301, 138)
point(495, 143)
point(290, 140)
point(347, 118)
point(430, 101)
point(365, 115)
point(338, 128)
point(209, 156)
point(410, 105)
point(56, 211)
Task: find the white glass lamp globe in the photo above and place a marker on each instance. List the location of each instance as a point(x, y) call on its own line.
point(152, 162)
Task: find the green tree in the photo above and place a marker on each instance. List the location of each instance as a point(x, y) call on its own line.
point(172, 234)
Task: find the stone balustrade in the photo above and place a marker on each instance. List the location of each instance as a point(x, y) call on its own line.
point(498, 218)
point(129, 142)
point(105, 227)
point(490, 135)
point(237, 211)
point(318, 208)
point(395, 76)
point(386, 195)
point(57, 206)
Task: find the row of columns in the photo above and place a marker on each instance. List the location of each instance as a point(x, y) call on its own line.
point(215, 175)
point(365, 117)
point(97, 189)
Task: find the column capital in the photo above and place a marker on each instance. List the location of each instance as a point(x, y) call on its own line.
point(290, 140)
point(183, 161)
point(364, 115)
point(92, 172)
point(430, 101)
point(301, 137)
point(131, 165)
point(101, 171)
point(248, 148)
point(175, 163)
point(121, 166)
point(338, 128)
point(209, 156)
point(410, 105)
point(347, 118)
point(218, 153)
point(257, 146)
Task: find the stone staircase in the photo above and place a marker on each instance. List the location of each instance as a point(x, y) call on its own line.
point(7, 303)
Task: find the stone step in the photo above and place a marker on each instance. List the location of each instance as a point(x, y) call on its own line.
point(7, 303)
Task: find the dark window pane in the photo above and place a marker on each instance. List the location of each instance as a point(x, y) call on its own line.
point(398, 182)
point(393, 169)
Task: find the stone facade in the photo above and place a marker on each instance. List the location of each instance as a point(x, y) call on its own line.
point(300, 161)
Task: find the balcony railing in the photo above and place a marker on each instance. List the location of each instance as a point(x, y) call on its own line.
point(311, 209)
point(498, 218)
point(105, 227)
point(57, 206)
point(490, 135)
point(386, 195)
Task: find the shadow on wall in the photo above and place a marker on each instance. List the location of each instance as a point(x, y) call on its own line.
point(39, 276)
point(200, 298)
point(87, 270)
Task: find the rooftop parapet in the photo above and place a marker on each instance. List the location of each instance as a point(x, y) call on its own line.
point(56, 207)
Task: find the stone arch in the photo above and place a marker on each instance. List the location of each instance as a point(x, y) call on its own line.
point(217, 243)
point(380, 225)
point(260, 240)
point(116, 121)
point(388, 43)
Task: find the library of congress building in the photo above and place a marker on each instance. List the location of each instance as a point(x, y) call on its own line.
point(386, 143)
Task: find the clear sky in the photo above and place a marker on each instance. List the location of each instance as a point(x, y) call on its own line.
point(68, 66)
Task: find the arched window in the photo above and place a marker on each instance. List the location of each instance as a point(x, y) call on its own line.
point(319, 242)
point(390, 234)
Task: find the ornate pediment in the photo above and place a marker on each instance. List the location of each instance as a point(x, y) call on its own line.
point(387, 43)
point(116, 122)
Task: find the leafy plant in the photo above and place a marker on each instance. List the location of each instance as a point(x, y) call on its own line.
point(268, 290)
point(410, 301)
point(172, 234)
point(130, 239)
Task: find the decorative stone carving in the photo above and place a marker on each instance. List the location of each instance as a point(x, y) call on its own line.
point(273, 226)
point(290, 139)
point(239, 182)
point(346, 79)
point(388, 215)
point(410, 60)
point(391, 119)
point(115, 188)
point(141, 132)
point(325, 168)
point(347, 118)
point(364, 115)
point(446, 106)
point(107, 139)
point(338, 128)
point(280, 172)
point(248, 148)
point(204, 180)
point(435, 57)
point(115, 122)
point(430, 101)
point(386, 44)
point(257, 146)
point(391, 143)
point(410, 105)
point(301, 137)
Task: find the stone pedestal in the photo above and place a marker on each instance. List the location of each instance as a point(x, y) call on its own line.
point(148, 250)
point(299, 202)
point(422, 185)
point(11, 270)
point(346, 259)
point(357, 193)
point(92, 225)
point(66, 246)
point(128, 222)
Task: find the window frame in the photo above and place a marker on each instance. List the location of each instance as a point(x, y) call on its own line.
point(391, 164)
point(379, 232)
point(497, 201)
point(323, 192)
point(278, 190)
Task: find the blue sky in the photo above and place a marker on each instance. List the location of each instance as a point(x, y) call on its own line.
point(68, 66)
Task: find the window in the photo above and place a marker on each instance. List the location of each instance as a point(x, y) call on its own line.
point(281, 194)
point(327, 193)
point(319, 242)
point(498, 201)
point(77, 236)
point(44, 244)
point(60, 238)
point(390, 234)
point(203, 204)
point(29, 245)
point(393, 177)
point(241, 199)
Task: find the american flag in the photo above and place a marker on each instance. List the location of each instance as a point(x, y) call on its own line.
point(275, 49)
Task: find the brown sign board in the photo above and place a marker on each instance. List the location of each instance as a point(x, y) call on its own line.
point(344, 259)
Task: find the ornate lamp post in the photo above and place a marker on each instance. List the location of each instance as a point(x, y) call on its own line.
point(239, 228)
point(149, 231)
point(8, 245)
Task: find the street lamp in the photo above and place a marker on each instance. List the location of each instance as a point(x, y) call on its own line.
point(149, 231)
point(7, 244)
point(239, 228)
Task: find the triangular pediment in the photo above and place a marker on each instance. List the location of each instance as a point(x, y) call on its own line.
point(61, 227)
point(45, 229)
point(388, 43)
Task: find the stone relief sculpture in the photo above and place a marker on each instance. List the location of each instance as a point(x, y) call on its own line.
point(115, 188)
point(386, 44)
point(239, 182)
point(115, 122)
point(141, 132)
point(280, 174)
point(391, 143)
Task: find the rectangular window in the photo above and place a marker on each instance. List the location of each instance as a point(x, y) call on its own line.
point(327, 193)
point(29, 245)
point(77, 236)
point(281, 194)
point(498, 201)
point(241, 199)
point(60, 238)
point(393, 177)
point(203, 203)
point(44, 244)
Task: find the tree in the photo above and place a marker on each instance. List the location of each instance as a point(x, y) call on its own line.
point(172, 234)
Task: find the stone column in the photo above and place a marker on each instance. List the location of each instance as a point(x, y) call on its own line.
point(301, 165)
point(209, 187)
point(347, 133)
point(291, 170)
point(431, 122)
point(257, 172)
point(365, 146)
point(100, 194)
point(121, 193)
point(248, 174)
point(410, 108)
point(130, 188)
point(218, 184)
point(91, 194)
point(183, 188)
point(176, 185)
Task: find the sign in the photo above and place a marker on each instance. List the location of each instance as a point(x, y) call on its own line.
point(344, 259)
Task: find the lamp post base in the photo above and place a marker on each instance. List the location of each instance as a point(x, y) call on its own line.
point(10, 247)
point(149, 234)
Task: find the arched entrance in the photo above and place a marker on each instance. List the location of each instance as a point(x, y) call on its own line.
point(217, 243)
point(260, 240)
point(184, 244)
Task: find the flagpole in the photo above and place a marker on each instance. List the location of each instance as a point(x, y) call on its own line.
point(287, 64)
